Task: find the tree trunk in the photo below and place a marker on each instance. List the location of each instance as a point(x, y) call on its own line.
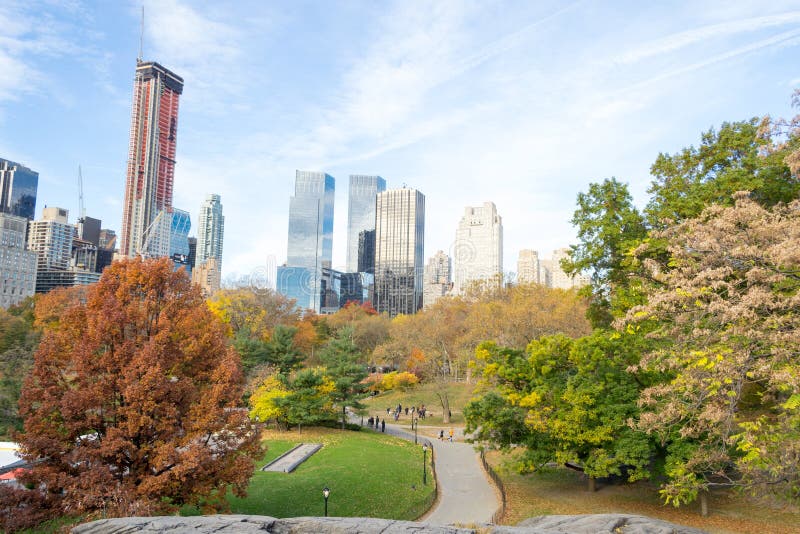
point(592, 487)
point(445, 401)
point(344, 415)
point(704, 503)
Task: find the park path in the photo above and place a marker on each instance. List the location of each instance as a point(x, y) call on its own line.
point(465, 493)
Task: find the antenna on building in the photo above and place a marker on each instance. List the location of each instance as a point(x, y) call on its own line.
point(81, 209)
point(141, 38)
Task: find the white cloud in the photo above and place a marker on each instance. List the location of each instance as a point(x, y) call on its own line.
point(680, 40)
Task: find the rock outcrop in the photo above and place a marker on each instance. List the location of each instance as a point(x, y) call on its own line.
point(245, 524)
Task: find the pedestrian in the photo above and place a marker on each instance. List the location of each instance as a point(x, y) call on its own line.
point(451, 435)
point(387, 411)
point(406, 410)
point(441, 435)
point(370, 421)
point(383, 425)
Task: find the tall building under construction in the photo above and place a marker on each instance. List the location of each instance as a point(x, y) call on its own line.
point(147, 213)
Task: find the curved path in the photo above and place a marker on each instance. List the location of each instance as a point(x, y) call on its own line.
point(465, 494)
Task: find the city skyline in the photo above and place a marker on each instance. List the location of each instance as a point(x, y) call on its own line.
point(563, 95)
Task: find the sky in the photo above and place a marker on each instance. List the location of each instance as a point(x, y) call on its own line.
point(522, 103)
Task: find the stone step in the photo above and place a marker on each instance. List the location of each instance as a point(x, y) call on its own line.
point(288, 461)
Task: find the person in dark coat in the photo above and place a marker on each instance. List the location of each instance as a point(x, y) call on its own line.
point(383, 425)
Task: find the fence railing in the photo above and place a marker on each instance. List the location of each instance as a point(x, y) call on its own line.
point(497, 516)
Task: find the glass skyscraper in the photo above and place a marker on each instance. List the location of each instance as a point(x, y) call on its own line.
point(179, 238)
point(18, 185)
point(310, 246)
point(399, 248)
point(361, 218)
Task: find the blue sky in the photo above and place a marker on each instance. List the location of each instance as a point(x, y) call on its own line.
point(521, 103)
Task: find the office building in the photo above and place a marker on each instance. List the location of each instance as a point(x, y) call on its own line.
point(210, 231)
point(478, 247)
point(179, 239)
point(528, 267)
point(17, 265)
point(437, 282)
point(51, 238)
point(207, 276)
point(105, 249)
point(560, 279)
point(151, 161)
point(18, 185)
point(361, 221)
point(399, 248)
point(192, 251)
point(310, 243)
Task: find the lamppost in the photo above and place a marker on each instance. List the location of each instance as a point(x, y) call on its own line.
point(424, 462)
point(414, 425)
point(325, 493)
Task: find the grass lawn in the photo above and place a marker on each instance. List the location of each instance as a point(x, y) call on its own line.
point(369, 475)
point(458, 393)
point(562, 491)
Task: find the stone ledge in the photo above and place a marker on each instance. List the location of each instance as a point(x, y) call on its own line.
point(245, 524)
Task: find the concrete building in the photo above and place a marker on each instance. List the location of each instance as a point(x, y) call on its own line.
point(51, 238)
point(399, 249)
point(528, 267)
point(17, 265)
point(438, 281)
point(207, 276)
point(560, 279)
point(18, 186)
point(151, 161)
point(361, 222)
point(310, 242)
point(478, 247)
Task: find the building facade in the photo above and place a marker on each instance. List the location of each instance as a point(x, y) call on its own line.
point(363, 191)
point(478, 247)
point(528, 267)
point(179, 239)
point(560, 279)
point(18, 186)
point(151, 161)
point(438, 278)
point(310, 243)
point(51, 238)
point(17, 265)
point(210, 231)
point(399, 249)
point(207, 276)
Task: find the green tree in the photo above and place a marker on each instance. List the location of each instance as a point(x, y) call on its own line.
point(741, 156)
point(281, 350)
point(310, 399)
point(574, 397)
point(346, 369)
point(609, 229)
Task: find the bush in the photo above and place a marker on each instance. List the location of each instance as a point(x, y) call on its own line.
point(395, 380)
point(21, 508)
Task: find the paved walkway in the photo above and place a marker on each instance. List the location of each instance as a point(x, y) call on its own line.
point(466, 495)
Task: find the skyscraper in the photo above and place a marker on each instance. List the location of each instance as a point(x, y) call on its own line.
point(528, 268)
point(560, 279)
point(361, 218)
point(399, 248)
point(151, 161)
point(437, 278)
point(18, 185)
point(51, 238)
point(210, 232)
point(478, 248)
point(17, 265)
point(310, 245)
point(179, 238)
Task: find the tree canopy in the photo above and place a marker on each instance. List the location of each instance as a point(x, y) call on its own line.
point(133, 405)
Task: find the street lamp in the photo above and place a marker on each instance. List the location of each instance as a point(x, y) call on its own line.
point(325, 493)
point(414, 425)
point(424, 461)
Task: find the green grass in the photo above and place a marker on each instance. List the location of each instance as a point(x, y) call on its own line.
point(369, 475)
point(459, 394)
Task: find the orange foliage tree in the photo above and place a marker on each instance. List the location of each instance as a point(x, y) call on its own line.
point(134, 402)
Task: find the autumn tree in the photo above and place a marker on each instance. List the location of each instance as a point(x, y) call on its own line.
point(252, 311)
point(133, 405)
point(18, 340)
point(727, 314)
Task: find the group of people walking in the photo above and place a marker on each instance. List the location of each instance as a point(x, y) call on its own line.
point(377, 423)
point(413, 411)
